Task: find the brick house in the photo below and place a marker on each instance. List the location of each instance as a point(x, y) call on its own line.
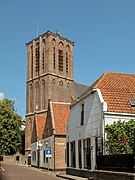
point(54, 136)
point(110, 98)
point(36, 141)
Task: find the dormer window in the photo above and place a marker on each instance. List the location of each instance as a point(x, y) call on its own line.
point(132, 102)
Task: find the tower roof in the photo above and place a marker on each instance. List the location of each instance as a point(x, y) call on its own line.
point(48, 33)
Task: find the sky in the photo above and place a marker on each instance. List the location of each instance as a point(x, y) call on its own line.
point(103, 32)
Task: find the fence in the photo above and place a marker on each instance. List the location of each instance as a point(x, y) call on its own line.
point(117, 162)
point(121, 162)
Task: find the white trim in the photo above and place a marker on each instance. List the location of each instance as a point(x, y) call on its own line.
point(116, 113)
point(101, 99)
point(82, 97)
point(99, 94)
point(51, 111)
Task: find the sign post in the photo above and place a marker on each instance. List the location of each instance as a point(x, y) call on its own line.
point(48, 155)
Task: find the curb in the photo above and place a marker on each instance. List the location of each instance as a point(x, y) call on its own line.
point(70, 177)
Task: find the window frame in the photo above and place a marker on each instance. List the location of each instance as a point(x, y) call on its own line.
point(82, 114)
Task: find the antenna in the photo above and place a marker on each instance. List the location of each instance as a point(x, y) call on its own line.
point(37, 28)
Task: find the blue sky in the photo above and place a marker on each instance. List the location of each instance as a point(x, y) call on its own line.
point(103, 32)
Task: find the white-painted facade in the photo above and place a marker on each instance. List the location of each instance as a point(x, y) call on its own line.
point(47, 144)
point(96, 117)
point(34, 153)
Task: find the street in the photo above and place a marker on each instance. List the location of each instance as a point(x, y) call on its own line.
point(16, 172)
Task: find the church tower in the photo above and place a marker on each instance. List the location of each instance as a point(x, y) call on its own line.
point(49, 76)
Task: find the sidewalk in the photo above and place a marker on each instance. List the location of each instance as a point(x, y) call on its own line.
point(59, 174)
point(66, 176)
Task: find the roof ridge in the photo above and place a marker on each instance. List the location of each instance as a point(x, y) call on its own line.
point(95, 83)
point(92, 85)
point(60, 103)
point(107, 72)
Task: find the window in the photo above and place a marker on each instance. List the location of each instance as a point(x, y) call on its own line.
point(67, 154)
point(82, 114)
point(99, 145)
point(132, 102)
point(66, 62)
point(43, 57)
point(44, 156)
point(31, 98)
point(37, 59)
point(73, 161)
point(31, 61)
point(37, 96)
point(60, 60)
point(87, 153)
point(67, 58)
point(34, 156)
point(80, 153)
point(43, 54)
point(54, 61)
point(43, 94)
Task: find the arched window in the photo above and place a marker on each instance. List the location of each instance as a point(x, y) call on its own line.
point(67, 58)
point(54, 55)
point(31, 61)
point(60, 56)
point(43, 94)
point(37, 59)
point(54, 60)
point(43, 56)
point(31, 98)
point(66, 62)
point(37, 96)
point(28, 132)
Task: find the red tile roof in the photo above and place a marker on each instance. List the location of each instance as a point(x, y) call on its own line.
point(117, 89)
point(40, 121)
point(60, 114)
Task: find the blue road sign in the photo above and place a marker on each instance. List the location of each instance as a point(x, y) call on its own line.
point(48, 152)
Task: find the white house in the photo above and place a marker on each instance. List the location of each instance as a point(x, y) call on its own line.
point(109, 99)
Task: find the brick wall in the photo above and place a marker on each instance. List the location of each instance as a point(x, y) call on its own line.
point(12, 159)
point(58, 85)
point(60, 149)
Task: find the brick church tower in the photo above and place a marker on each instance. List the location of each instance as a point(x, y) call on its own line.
point(49, 76)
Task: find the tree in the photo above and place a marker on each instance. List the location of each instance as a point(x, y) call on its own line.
point(22, 148)
point(10, 124)
point(120, 137)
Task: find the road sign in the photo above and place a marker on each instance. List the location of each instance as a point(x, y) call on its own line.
point(48, 153)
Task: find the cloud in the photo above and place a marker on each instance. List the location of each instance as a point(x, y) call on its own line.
point(1, 95)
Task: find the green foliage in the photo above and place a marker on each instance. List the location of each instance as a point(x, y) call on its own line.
point(120, 137)
point(22, 148)
point(10, 133)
